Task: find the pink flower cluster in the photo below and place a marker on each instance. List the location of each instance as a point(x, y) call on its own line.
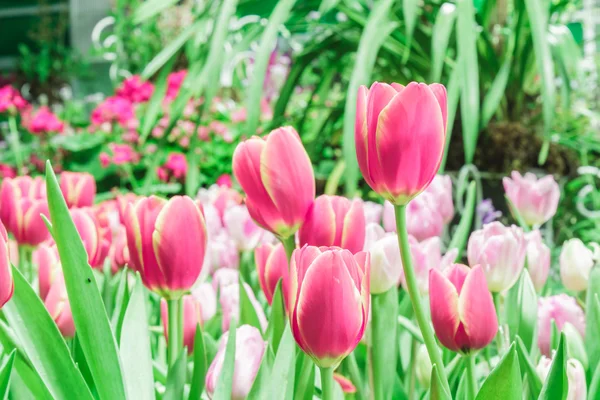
point(135, 90)
point(41, 121)
point(11, 100)
point(121, 154)
point(174, 168)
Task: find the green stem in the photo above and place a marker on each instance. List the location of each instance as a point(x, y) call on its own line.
point(25, 262)
point(175, 329)
point(289, 244)
point(413, 292)
point(327, 383)
point(496, 297)
point(15, 144)
point(471, 381)
point(355, 376)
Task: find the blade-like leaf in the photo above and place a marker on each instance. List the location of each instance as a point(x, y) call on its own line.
point(592, 317)
point(135, 347)
point(176, 378)
point(42, 342)
point(442, 30)
point(304, 381)
point(6, 370)
point(151, 8)
point(282, 377)
point(437, 391)
point(410, 9)
point(154, 107)
point(535, 383)
point(248, 313)
point(89, 315)
point(459, 240)
point(200, 366)
point(556, 385)
point(169, 51)
point(225, 380)
point(277, 319)
point(453, 96)
point(521, 309)
point(504, 382)
point(384, 348)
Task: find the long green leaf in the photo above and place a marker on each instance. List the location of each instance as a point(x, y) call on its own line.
point(442, 30)
point(6, 370)
point(376, 30)
point(521, 309)
point(135, 347)
point(176, 378)
point(200, 366)
point(225, 380)
point(594, 391)
point(384, 348)
point(410, 9)
point(155, 104)
point(459, 240)
point(42, 342)
point(267, 43)
point(453, 96)
point(93, 328)
point(151, 8)
point(437, 391)
point(504, 382)
point(282, 377)
point(592, 317)
point(556, 385)
point(277, 318)
point(469, 95)
point(169, 51)
point(248, 313)
point(535, 383)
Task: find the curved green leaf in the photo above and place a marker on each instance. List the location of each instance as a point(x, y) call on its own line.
point(592, 317)
point(437, 391)
point(442, 30)
point(283, 373)
point(225, 382)
point(200, 366)
point(459, 240)
point(176, 378)
point(6, 370)
point(556, 385)
point(521, 309)
point(504, 382)
point(248, 313)
point(277, 319)
point(169, 51)
point(384, 347)
point(535, 383)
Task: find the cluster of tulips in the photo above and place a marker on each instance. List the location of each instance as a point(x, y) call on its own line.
point(334, 273)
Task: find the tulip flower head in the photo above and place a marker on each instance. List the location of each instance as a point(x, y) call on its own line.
point(6, 280)
point(576, 262)
point(192, 316)
point(334, 221)
point(167, 243)
point(328, 302)
point(441, 190)
point(96, 243)
point(462, 308)
point(59, 308)
point(561, 309)
point(78, 188)
point(538, 259)
point(535, 199)
point(277, 176)
point(500, 250)
point(577, 386)
point(45, 257)
point(206, 296)
point(400, 134)
point(385, 264)
point(272, 265)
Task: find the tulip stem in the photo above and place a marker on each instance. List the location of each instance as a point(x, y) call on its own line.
point(471, 381)
point(327, 383)
point(25, 265)
point(175, 329)
point(289, 244)
point(413, 292)
point(15, 144)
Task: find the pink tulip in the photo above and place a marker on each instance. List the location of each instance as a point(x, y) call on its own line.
point(272, 265)
point(385, 263)
point(328, 302)
point(400, 134)
point(373, 212)
point(249, 350)
point(334, 221)
point(241, 228)
point(225, 181)
point(207, 297)
point(441, 189)
point(78, 188)
point(462, 309)
point(192, 316)
point(277, 176)
point(6, 280)
point(119, 252)
point(95, 243)
point(576, 262)
point(500, 251)
point(167, 243)
point(561, 309)
point(45, 257)
point(577, 387)
point(423, 219)
point(427, 255)
point(535, 199)
point(538, 259)
point(230, 304)
point(57, 304)
point(224, 277)
point(176, 164)
point(219, 197)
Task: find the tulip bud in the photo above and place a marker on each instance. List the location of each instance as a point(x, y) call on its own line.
point(57, 304)
point(249, 350)
point(207, 297)
point(576, 262)
point(538, 259)
point(400, 134)
point(500, 251)
point(45, 257)
point(373, 212)
point(441, 190)
point(577, 387)
point(328, 284)
point(272, 265)
point(241, 228)
point(575, 345)
point(78, 188)
point(192, 316)
point(6, 279)
point(423, 369)
point(93, 238)
point(230, 304)
point(386, 264)
point(334, 221)
point(373, 232)
point(119, 252)
point(561, 309)
point(462, 309)
point(535, 200)
point(277, 176)
point(167, 243)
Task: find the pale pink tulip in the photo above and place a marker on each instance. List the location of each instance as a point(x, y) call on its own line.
point(373, 212)
point(427, 255)
point(535, 199)
point(423, 219)
point(229, 298)
point(224, 277)
point(561, 309)
point(272, 265)
point(207, 297)
point(241, 228)
point(538, 259)
point(221, 252)
point(577, 386)
point(386, 264)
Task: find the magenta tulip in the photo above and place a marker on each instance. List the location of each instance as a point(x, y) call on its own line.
point(462, 308)
point(277, 176)
point(328, 302)
point(561, 309)
point(400, 134)
point(45, 257)
point(500, 251)
point(119, 252)
point(167, 243)
point(334, 221)
point(95, 243)
point(78, 188)
point(272, 265)
point(230, 304)
point(535, 199)
point(6, 280)
point(59, 308)
point(192, 316)
point(538, 259)
point(249, 350)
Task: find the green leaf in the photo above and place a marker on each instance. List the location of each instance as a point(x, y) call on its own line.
point(535, 383)
point(459, 240)
point(556, 385)
point(277, 318)
point(384, 341)
point(248, 315)
point(151, 8)
point(377, 29)
point(135, 347)
point(42, 342)
point(261, 61)
point(495, 93)
point(466, 29)
point(176, 378)
point(442, 30)
point(169, 51)
point(592, 317)
point(89, 315)
point(121, 301)
point(437, 391)
point(5, 374)
point(327, 5)
point(521, 309)
point(594, 391)
point(200, 366)
point(262, 382)
point(282, 377)
point(504, 382)
point(410, 9)
point(453, 96)
point(154, 107)
point(304, 377)
point(225, 382)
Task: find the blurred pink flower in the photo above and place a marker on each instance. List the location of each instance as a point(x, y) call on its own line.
point(7, 171)
point(174, 82)
point(135, 89)
point(423, 218)
point(177, 164)
point(113, 109)
point(43, 121)
point(123, 154)
point(11, 100)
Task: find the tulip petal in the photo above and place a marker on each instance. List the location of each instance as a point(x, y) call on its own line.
point(352, 236)
point(443, 301)
point(319, 227)
point(300, 262)
point(361, 133)
point(441, 95)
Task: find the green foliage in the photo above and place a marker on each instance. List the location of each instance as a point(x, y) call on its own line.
point(504, 382)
